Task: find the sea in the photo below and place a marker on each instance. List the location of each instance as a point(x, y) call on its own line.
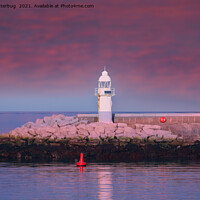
point(110, 181)
point(102, 181)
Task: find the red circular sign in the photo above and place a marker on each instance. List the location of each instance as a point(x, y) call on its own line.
point(163, 119)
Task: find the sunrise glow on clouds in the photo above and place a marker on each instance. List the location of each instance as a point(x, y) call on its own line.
point(151, 50)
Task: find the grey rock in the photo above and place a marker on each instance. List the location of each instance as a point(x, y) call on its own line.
point(32, 132)
point(154, 127)
point(89, 128)
point(93, 135)
point(99, 129)
point(67, 121)
point(82, 133)
point(96, 124)
point(64, 131)
point(72, 134)
point(119, 131)
point(39, 121)
point(53, 137)
point(58, 117)
point(62, 123)
point(28, 125)
point(81, 126)
point(46, 134)
point(84, 122)
point(139, 126)
point(47, 120)
point(74, 120)
point(121, 125)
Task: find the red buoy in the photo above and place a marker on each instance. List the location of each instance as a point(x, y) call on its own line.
point(163, 119)
point(81, 162)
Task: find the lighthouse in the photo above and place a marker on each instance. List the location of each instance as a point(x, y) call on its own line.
point(104, 93)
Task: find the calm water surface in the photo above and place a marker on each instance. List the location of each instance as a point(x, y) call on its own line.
point(100, 181)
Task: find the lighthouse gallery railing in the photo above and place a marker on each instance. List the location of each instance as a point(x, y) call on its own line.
point(108, 91)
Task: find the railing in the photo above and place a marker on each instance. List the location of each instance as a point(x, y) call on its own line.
point(96, 92)
point(112, 92)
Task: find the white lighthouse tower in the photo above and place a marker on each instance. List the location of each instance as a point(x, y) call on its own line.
point(104, 93)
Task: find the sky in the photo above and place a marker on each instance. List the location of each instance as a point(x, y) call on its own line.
point(51, 58)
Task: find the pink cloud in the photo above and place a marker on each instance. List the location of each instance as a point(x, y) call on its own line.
point(150, 47)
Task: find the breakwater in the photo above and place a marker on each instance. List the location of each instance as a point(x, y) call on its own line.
point(132, 137)
point(186, 125)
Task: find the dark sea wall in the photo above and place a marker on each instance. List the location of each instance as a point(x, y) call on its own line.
point(103, 150)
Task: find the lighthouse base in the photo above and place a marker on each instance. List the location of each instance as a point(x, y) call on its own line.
point(105, 117)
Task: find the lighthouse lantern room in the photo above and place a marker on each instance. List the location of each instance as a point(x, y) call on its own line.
point(104, 93)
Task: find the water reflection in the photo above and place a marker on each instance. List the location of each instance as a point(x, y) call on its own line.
point(81, 169)
point(104, 183)
point(98, 181)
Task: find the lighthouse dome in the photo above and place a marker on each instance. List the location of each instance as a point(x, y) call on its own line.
point(104, 76)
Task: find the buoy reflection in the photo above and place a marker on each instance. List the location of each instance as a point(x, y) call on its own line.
point(81, 168)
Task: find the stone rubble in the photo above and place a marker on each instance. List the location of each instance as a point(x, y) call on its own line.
point(62, 127)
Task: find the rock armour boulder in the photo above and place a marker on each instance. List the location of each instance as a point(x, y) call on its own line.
point(61, 127)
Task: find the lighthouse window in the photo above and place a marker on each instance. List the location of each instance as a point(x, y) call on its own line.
point(107, 92)
point(107, 84)
point(104, 84)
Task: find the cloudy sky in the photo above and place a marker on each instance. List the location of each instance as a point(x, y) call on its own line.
point(51, 59)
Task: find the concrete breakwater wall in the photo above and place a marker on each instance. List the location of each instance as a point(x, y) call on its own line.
point(90, 117)
point(154, 118)
point(147, 118)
